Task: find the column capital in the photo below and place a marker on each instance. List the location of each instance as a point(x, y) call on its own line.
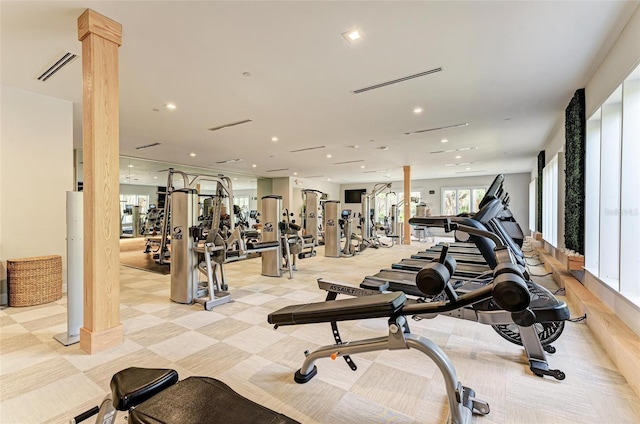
point(91, 22)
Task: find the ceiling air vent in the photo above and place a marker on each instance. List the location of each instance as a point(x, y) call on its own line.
point(64, 60)
point(232, 124)
point(229, 161)
point(306, 149)
point(278, 170)
point(315, 176)
point(464, 124)
point(395, 81)
point(146, 146)
point(349, 161)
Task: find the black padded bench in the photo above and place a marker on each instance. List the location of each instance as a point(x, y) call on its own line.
point(377, 306)
point(155, 396)
point(257, 246)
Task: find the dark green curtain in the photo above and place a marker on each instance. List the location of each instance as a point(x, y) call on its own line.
point(539, 194)
point(575, 147)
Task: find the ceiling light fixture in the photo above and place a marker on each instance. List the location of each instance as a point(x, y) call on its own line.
point(254, 165)
point(444, 140)
point(295, 173)
point(170, 106)
point(362, 166)
point(274, 138)
point(130, 166)
point(352, 35)
point(193, 155)
point(155, 178)
point(417, 110)
point(328, 179)
point(458, 157)
point(329, 156)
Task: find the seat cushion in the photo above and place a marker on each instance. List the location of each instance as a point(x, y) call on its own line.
point(203, 400)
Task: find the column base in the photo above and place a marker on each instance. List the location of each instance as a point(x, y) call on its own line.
point(98, 341)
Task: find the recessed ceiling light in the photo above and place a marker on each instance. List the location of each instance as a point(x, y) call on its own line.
point(295, 173)
point(170, 106)
point(444, 140)
point(130, 166)
point(352, 35)
point(328, 179)
point(234, 178)
point(468, 169)
point(274, 138)
point(417, 110)
point(329, 155)
point(193, 155)
point(361, 166)
point(155, 178)
point(458, 157)
point(355, 146)
point(254, 165)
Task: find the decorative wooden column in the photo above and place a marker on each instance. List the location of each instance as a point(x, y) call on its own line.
point(100, 38)
point(407, 204)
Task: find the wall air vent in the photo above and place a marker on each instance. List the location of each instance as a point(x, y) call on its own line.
point(370, 172)
point(146, 146)
point(278, 170)
point(231, 124)
point(63, 61)
point(464, 124)
point(229, 161)
point(306, 149)
point(395, 81)
point(348, 161)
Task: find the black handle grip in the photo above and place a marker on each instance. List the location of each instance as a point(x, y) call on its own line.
point(87, 414)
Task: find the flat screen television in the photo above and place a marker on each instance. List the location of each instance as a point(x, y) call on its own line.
point(353, 196)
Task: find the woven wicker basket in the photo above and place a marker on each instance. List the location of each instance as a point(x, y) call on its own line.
point(33, 281)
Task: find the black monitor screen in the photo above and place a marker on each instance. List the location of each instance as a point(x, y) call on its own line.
point(353, 196)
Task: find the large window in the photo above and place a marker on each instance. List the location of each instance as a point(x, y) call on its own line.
point(550, 184)
point(385, 201)
point(460, 200)
point(612, 216)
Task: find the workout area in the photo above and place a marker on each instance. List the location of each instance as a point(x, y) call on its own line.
point(319, 212)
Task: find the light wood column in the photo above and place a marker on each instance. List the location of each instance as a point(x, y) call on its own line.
point(100, 37)
point(407, 205)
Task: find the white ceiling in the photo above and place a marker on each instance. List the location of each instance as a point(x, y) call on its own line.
point(509, 70)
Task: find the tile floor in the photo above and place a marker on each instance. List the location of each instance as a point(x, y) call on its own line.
point(42, 381)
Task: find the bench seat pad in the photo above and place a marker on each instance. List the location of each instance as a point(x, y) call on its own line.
point(376, 306)
point(200, 400)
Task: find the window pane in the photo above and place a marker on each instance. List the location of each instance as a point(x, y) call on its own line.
point(610, 190)
point(449, 202)
point(478, 194)
point(464, 201)
point(630, 191)
point(592, 196)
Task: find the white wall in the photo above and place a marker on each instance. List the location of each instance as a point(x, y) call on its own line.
point(36, 169)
